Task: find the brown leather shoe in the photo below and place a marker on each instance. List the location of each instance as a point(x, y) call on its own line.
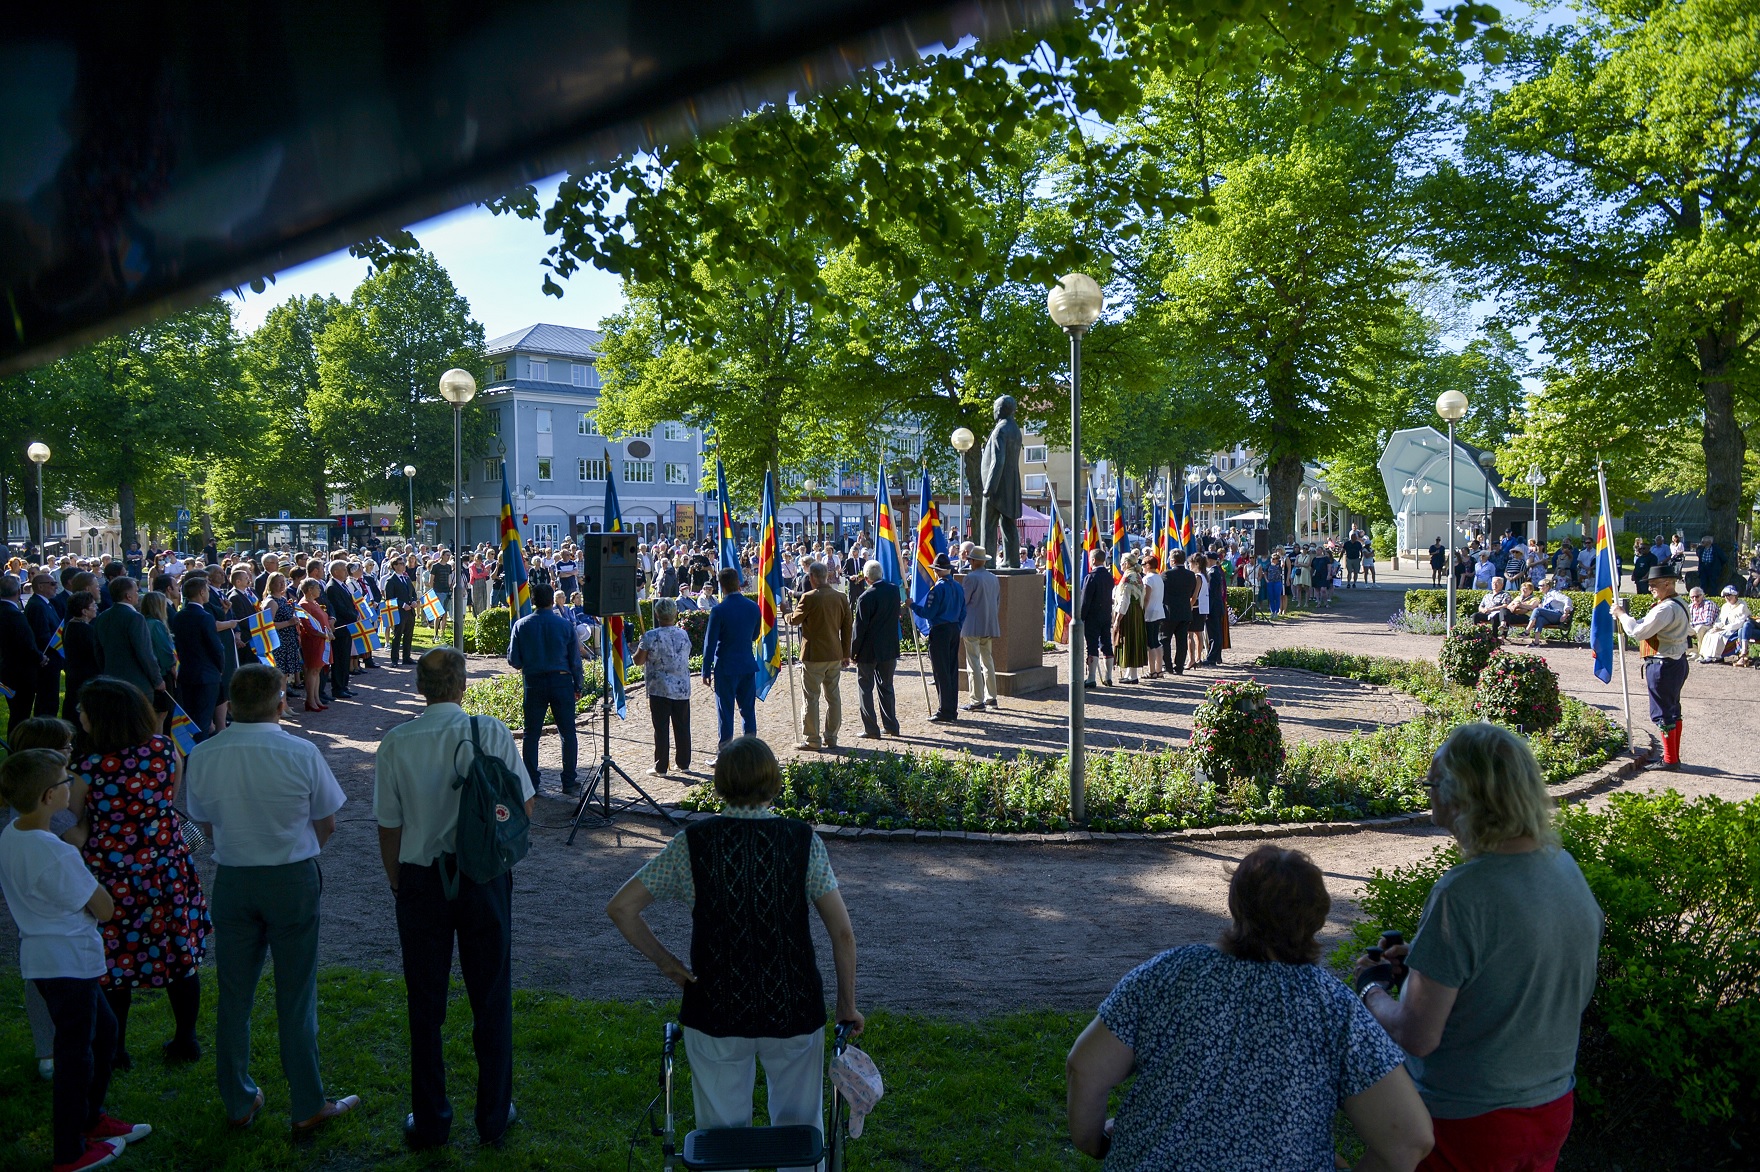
point(331, 1110)
point(251, 1118)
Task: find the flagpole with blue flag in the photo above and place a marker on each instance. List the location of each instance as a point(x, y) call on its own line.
point(1604, 632)
point(930, 541)
point(519, 590)
point(1090, 539)
point(727, 549)
point(1059, 594)
point(1120, 546)
point(769, 596)
point(886, 536)
point(1186, 541)
point(615, 654)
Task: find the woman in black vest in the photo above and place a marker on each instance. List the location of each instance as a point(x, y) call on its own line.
point(752, 992)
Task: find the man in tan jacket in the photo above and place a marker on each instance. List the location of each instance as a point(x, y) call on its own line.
point(824, 617)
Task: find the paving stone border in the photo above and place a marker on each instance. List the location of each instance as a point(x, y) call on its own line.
point(1602, 777)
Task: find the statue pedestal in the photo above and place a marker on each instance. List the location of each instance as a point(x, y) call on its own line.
point(1020, 650)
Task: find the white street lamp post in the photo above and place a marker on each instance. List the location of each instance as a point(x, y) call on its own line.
point(962, 440)
point(1074, 304)
point(39, 454)
point(1536, 479)
point(1452, 406)
point(458, 388)
point(409, 475)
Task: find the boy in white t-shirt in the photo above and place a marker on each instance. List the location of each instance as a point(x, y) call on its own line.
point(58, 904)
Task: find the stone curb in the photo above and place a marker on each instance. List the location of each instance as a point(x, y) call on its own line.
point(1581, 786)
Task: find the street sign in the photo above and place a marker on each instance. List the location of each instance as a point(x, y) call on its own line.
point(285, 514)
point(183, 516)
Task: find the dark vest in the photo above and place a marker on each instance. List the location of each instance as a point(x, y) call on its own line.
point(751, 947)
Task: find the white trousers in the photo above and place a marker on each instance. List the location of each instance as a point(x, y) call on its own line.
point(980, 668)
point(724, 1072)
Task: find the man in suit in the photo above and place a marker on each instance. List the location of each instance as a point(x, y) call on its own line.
point(110, 572)
point(200, 658)
point(125, 645)
point(339, 601)
point(1182, 587)
point(20, 657)
point(45, 620)
point(1217, 584)
point(728, 663)
point(945, 613)
point(544, 649)
point(241, 604)
point(875, 650)
point(400, 596)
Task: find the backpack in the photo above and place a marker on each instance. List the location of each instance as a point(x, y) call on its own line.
point(493, 827)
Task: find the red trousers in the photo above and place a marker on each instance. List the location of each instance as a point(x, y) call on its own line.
point(1510, 1139)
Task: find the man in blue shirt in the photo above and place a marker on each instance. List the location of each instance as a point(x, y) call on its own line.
point(945, 611)
point(543, 648)
point(728, 663)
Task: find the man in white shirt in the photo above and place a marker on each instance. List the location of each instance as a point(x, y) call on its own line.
point(417, 810)
point(1554, 609)
point(269, 801)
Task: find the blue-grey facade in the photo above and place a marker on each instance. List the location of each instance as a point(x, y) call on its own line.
point(541, 396)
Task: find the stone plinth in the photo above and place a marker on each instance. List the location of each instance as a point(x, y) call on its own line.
point(1019, 652)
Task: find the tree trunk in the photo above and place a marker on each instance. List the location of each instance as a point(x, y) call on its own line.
point(1725, 445)
point(125, 507)
point(5, 510)
point(1283, 478)
point(321, 494)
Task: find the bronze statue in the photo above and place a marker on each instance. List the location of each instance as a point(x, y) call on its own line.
point(1001, 473)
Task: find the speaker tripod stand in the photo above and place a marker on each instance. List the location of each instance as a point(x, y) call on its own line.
point(598, 783)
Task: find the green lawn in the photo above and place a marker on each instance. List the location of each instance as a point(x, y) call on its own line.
point(958, 1095)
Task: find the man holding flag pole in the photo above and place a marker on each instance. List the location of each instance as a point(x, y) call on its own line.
point(1664, 636)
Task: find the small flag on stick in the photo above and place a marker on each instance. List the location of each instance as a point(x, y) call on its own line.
point(183, 729)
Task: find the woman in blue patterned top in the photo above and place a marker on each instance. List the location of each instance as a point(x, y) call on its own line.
point(1243, 1051)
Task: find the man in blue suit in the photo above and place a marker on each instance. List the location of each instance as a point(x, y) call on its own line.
point(200, 662)
point(729, 665)
point(45, 620)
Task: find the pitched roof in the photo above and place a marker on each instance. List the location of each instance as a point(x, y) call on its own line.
point(562, 341)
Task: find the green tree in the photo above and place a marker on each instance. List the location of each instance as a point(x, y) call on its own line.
point(380, 358)
point(1607, 191)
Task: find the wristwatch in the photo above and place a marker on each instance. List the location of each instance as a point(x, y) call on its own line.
point(1364, 993)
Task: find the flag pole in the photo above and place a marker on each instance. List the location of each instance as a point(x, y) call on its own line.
point(1619, 634)
point(794, 703)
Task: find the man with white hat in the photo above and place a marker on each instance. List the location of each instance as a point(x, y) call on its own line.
point(983, 623)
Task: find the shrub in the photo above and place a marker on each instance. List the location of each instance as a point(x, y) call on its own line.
point(1678, 982)
point(1239, 599)
point(1433, 600)
point(1416, 623)
point(494, 628)
point(1235, 733)
point(1519, 691)
point(1465, 653)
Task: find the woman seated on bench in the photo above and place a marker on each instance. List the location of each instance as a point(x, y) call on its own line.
point(752, 991)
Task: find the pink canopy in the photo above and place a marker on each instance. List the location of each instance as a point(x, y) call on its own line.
point(1033, 524)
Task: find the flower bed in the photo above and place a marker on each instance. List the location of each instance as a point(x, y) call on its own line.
point(1370, 774)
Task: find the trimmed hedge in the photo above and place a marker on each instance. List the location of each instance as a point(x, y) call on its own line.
point(1434, 601)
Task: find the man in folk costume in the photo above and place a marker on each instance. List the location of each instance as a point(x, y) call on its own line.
point(1217, 584)
point(1664, 636)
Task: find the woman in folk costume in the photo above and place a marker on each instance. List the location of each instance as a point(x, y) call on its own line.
point(1128, 641)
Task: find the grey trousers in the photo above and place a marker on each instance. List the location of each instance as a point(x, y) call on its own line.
point(258, 912)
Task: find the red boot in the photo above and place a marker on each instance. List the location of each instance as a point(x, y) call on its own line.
point(1671, 747)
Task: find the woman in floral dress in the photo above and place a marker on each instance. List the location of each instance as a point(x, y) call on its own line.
point(287, 656)
point(134, 846)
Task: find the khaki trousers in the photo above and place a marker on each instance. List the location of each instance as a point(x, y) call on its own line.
point(980, 668)
point(814, 677)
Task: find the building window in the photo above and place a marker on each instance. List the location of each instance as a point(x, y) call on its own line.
point(543, 421)
point(491, 470)
point(593, 469)
point(540, 371)
point(676, 431)
point(638, 472)
point(1036, 454)
point(498, 372)
point(543, 468)
point(587, 425)
point(1035, 482)
point(678, 474)
point(577, 374)
point(494, 418)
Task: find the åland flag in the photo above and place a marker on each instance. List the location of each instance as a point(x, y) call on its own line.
point(1601, 625)
point(726, 548)
point(614, 650)
point(1090, 540)
point(264, 638)
point(431, 608)
point(769, 591)
point(6, 693)
point(519, 590)
point(1186, 541)
point(388, 623)
point(183, 729)
point(1169, 539)
point(886, 528)
point(362, 639)
point(930, 541)
point(56, 642)
point(1120, 546)
point(1059, 581)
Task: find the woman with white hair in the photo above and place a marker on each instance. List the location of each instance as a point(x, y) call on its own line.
point(1729, 632)
point(1502, 965)
point(1130, 643)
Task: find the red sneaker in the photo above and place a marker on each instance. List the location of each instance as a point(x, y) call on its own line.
point(98, 1153)
point(109, 1127)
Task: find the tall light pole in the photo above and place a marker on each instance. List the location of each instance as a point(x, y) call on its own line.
point(458, 388)
point(1452, 406)
point(1211, 491)
point(409, 524)
point(1074, 304)
point(1193, 480)
point(39, 454)
point(962, 440)
point(1535, 479)
point(1486, 460)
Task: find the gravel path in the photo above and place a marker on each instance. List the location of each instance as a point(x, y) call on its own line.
point(957, 929)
